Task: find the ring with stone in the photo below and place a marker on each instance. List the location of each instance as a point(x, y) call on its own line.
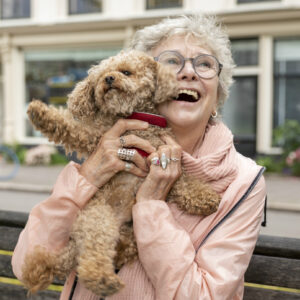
point(128, 166)
point(155, 161)
point(163, 161)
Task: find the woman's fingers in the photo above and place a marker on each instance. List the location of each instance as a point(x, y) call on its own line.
point(133, 169)
point(169, 140)
point(135, 158)
point(132, 140)
point(176, 150)
point(123, 125)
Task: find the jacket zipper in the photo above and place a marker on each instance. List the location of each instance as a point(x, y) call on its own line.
point(252, 185)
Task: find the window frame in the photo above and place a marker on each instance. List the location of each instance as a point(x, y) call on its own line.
point(277, 77)
point(149, 8)
point(82, 13)
point(242, 2)
point(15, 17)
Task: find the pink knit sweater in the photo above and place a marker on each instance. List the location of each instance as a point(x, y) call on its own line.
point(172, 264)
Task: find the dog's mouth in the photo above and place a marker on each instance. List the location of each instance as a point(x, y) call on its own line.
point(188, 96)
point(109, 88)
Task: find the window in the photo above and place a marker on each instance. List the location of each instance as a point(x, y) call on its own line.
point(239, 112)
point(15, 9)
point(155, 4)
point(84, 6)
point(51, 75)
point(286, 80)
point(245, 52)
point(254, 1)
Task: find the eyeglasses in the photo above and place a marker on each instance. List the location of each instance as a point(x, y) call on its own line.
point(205, 65)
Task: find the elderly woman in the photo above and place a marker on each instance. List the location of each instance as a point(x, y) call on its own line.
point(180, 256)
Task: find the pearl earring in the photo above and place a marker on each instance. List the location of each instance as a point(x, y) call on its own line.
point(214, 114)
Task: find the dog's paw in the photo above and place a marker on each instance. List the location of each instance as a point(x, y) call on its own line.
point(104, 285)
point(37, 269)
point(36, 112)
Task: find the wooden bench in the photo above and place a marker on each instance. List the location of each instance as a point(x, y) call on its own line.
point(11, 224)
point(273, 273)
point(274, 270)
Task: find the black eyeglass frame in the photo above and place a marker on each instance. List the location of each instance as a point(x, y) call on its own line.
point(192, 60)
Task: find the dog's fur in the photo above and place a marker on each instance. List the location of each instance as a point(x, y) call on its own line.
point(102, 236)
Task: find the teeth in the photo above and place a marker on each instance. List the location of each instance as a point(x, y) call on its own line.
point(189, 92)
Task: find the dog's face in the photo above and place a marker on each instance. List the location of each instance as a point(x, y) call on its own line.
point(130, 81)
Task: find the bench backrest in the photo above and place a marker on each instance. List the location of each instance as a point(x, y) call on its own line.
point(273, 273)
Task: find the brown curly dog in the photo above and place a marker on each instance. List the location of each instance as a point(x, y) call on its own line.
point(102, 236)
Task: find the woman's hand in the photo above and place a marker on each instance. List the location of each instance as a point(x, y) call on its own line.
point(104, 162)
point(161, 177)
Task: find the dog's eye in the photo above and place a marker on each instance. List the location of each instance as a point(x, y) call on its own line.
point(125, 72)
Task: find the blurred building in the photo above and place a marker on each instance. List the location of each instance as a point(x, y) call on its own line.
point(47, 46)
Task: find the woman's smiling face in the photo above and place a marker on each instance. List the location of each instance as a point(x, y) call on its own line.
point(179, 113)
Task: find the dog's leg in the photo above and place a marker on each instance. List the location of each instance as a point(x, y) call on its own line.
point(66, 260)
point(40, 266)
point(194, 197)
point(126, 247)
point(60, 127)
point(96, 232)
point(38, 269)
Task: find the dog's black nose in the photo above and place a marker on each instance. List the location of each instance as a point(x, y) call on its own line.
point(109, 79)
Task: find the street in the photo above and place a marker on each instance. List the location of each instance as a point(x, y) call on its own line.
point(279, 222)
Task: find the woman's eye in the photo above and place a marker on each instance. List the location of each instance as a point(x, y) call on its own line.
point(205, 65)
point(125, 72)
point(172, 61)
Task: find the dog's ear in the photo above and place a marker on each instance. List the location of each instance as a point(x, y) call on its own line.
point(166, 84)
point(81, 102)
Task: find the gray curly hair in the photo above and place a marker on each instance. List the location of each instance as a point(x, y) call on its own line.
point(205, 28)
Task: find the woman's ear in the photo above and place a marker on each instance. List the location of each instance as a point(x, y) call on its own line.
point(81, 102)
point(166, 84)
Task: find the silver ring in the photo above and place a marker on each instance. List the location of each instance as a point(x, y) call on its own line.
point(164, 161)
point(128, 166)
point(174, 159)
point(126, 154)
point(155, 161)
point(122, 141)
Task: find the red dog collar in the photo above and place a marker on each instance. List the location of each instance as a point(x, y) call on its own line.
point(151, 119)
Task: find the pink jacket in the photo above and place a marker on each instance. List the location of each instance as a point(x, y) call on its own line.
point(180, 256)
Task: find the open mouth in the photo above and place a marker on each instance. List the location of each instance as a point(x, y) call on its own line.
point(188, 96)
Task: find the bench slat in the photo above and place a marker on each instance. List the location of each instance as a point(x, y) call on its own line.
point(5, 266)
point(252, 293)
point(11, 291)
point(276, 271)
point(278, 246)
point(12, 218)
point(9, 237)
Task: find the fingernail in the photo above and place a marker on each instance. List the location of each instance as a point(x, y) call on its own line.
point(164, 161)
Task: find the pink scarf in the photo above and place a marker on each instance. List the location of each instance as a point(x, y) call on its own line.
point(214, 162)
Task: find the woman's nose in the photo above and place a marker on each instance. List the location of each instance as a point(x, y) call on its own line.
point(187, 72)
